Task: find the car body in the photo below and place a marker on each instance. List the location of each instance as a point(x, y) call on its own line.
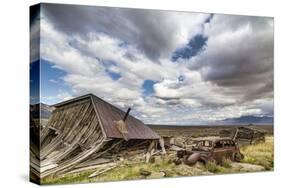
point(216, 150)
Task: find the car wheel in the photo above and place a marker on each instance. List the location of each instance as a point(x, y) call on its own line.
point(202, 162)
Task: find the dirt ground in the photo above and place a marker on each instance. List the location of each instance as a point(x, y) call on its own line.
point(202, 130)
point(258, 157)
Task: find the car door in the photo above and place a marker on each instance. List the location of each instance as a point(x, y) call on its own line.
point(229, 147)
point(218, 151)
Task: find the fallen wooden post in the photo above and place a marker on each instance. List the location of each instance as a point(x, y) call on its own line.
point(162, 145)
point(99, 172)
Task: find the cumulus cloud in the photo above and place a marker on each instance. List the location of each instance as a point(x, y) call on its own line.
point(34, 34)
point(156, 33)
point(113, 52)
point(239, 56)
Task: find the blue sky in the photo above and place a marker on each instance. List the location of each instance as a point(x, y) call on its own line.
point(52, 83)
point(169, 67)
point(148, 87)
point(194, 46)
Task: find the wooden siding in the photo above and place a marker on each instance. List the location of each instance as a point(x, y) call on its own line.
point(72, 133)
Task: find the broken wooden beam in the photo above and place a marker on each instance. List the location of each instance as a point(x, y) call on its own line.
point(101, 171)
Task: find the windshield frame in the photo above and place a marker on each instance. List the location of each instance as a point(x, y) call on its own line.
point(203, 143)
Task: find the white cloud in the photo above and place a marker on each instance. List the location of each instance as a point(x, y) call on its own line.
point(155, 33)
point(53, 81)
point(34, 40)
point(168, 89)
point(63, 95)
point(207, 92)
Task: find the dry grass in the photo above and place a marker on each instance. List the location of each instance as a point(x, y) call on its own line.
point(160, 169)
point(260, 154)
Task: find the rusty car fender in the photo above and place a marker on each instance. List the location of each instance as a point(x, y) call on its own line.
point(194, 158)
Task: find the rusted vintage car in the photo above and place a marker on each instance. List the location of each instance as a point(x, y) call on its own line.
point(215, 150)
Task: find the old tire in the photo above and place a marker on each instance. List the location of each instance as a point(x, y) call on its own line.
point(202, 162)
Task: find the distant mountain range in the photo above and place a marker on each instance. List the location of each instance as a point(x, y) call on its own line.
point(249, 120)
point(44, 110)
point(241, 121)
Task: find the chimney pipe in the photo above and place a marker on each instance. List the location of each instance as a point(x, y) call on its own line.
point(126, 115)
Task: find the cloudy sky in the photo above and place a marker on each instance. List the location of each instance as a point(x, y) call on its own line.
point(169, 67)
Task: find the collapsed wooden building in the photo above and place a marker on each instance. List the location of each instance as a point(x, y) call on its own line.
point(248, 135)
point(86, 131)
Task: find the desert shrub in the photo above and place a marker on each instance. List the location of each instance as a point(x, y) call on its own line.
point(212, 167)
point(226, 163)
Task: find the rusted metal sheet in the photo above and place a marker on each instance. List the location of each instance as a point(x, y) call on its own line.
point(110, 114)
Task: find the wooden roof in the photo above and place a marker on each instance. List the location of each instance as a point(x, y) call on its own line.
point(108, 114)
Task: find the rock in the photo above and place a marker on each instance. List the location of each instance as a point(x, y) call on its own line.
point(246, 167)
point(163, 174)
point(158, 159)
point(185, 170)
point(152, 160)
point(160, 174)
point(144, 172)
point(177, 161)
point(121, 158)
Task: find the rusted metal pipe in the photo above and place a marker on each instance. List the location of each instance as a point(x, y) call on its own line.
point(126, 115)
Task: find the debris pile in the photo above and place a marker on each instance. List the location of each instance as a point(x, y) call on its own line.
point(247, 135)
point(87, 133)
